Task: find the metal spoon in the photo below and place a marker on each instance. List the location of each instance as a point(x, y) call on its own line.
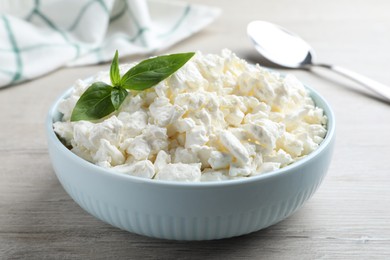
point(288, 50)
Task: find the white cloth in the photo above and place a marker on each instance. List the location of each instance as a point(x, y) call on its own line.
point(39, 36)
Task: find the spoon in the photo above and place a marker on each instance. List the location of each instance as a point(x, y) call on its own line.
point(288, 50)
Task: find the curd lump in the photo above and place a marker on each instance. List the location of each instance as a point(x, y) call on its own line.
point(217, 118)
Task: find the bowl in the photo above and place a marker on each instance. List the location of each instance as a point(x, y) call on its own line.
point(190, 211)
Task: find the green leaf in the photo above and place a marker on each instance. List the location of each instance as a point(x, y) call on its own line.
point(151, 71)
point(118, 95)
point(101, 99)
point(114, 71)
point(94, 103)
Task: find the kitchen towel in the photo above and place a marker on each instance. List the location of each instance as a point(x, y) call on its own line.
point(40, 36)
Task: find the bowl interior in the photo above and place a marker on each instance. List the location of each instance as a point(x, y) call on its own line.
point(54, 116)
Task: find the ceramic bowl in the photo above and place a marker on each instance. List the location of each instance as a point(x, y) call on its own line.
point(190, 211)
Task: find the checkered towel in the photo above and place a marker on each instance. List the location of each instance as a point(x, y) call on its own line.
point(39, 36)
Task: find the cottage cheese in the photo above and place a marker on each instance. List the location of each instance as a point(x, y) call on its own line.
point(217, 118)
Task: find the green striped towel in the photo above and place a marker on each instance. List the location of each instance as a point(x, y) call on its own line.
point(39, 36)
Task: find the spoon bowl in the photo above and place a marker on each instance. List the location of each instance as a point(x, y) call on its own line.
point(270, 41)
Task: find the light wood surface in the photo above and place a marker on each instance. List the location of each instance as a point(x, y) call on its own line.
point(348, 217)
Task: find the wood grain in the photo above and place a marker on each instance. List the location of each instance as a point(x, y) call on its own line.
point(349, 216)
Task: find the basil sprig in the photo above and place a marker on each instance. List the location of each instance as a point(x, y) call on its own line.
point(101, 99)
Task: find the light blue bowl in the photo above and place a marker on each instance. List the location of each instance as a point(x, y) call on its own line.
point(190, 211)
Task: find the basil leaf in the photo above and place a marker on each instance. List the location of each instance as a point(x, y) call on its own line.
point(118, 95)
point(114, 71)
point(94, 103)
point(101, 99)
point(151, 71)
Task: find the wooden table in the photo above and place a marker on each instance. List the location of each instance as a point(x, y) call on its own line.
point(348, 217)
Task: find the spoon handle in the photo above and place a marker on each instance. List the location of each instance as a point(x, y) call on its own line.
point(378, 88)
